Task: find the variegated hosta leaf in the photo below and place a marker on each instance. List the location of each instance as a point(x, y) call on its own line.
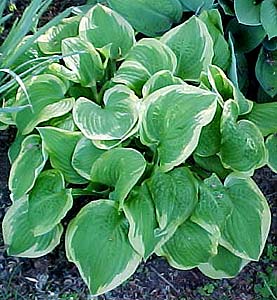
point(43, 90)
point(269, 17)
point(223, 265)
point(65, 122)
point(114, 121)
point(49, 202)
point(190, 246)
point(172, 121)
point(271, 146)
point(84, 156)
point(227, 90)
point(50, 42)
point(159, 80)
point(247, 228)
point(248, 11)
point(60, 145)
point(18, 234)
point(120, 168)
point(147, 57)
point(210, 137)
point(266, 71)
point(107, 31)
point(212, 19)
point(242, 145)
point(196, 5)
point(15, 148)
point(174, 195)
point(140, 212)
point(97, 242)
point(86, 65)
point(263, 115)
point(27, 166)
point(157, 16)
point(195, 52)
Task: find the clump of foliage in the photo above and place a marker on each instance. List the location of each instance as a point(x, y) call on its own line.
point(154, 132)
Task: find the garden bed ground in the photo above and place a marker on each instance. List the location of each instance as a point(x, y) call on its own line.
point(53, 277)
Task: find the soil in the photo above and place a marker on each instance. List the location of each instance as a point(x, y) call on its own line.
point(53, 277)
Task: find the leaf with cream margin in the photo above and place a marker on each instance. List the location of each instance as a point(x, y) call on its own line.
point(147, 57)
point(223, 265)
point(44, 91)
point(84, 156)
point(159, 80)
point(140, 212)
point(19, 237)
point(158, 16)
point(50, 42)
point(60, 145)
point(189, 247)
point(118, 37)
point(248, 11)
point(242, 144)
point(27, 166)
point(172, 121)
point(175, 196)
point(113, 122)
point(120, 168)
point(99, 226)
point(49, 202)
point(86, 64)
point(195, 52)
point(271, 146)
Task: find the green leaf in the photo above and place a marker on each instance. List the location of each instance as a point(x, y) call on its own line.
point(49, 202)
point(212, 19)
point(247, 228)
point(271, 146)
point(107, 31)
point(266, 71)
point(65, 122)
point(15, 147)
point(227, 6)
point(159, 80)
point(19, 237)
point(242, 145)
point(99, 225)
point(50, 41)
point(87, 64)
point(27, 166)
point(172, 121)
point(120, 168)
point(190, 246)
point(140, 212)
point(84, 156)
point(174, 195)
point(60, 145)
point(45, 91)
point(196, 5)
point(147, 57)
point(195, 52)
point(157, 16)
point(223, 265)
point(269, 17)
point(263, 115)
point(248, 11)
point(113, 122)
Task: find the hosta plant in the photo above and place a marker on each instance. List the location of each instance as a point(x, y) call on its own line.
point(154, 135)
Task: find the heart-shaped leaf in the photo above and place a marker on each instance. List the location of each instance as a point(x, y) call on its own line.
point(118, 37)
point(248, 11)
point(27, 166)
point(18, 234)
point(99, 225)
point(172, 121)
point(60, 145)
point(114, 121)
point(242, 145)
point(157, 16)
point(147, 57)
point(195, 52)
point(271, 146)
point(49, 202)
